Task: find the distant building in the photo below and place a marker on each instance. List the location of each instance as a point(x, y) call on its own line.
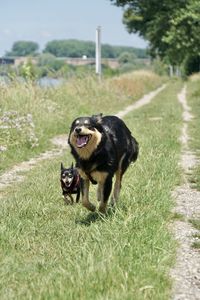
point(6, 61)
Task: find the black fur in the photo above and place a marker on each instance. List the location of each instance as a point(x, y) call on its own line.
point(113, 149)
point(70, 183)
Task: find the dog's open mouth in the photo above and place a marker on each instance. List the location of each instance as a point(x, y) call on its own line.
point(82, 140)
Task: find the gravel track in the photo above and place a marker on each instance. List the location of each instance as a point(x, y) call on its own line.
point(186, 273)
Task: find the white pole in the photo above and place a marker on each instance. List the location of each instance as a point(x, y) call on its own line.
point(98, 51)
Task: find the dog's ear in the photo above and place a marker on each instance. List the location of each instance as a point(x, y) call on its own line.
point(72, 166)
point(97, 118)
point(61, 166)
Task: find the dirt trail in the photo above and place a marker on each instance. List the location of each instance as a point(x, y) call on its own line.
point(186, 273)
point(143, 101)
point(17, 172)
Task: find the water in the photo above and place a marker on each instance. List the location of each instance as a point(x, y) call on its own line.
point(50, 82)
point(44, 82)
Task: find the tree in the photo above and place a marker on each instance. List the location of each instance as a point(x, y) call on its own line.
point(183, 36)
point(127, 57)
point(70, 48)
point(45, 59)
point(23, 48)
point(76, 48)
point(171, 27)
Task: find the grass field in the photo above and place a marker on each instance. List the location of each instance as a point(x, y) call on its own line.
point(52, 251)
point(31, 115)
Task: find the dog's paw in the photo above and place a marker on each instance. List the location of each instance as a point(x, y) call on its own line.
point(102, 208)
point(89, 206)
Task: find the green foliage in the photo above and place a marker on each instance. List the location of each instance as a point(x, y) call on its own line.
point(50, 61)
point(159, 67)
point(23, 48)
point(171, 27)
point(183, 37)
point(45, 59)
point(75, 48)
point(70, 48)
point(28, 70)
point(191, 65)
point(50, 65)
point(193, 93)
point(108, 72)
point(126, 57)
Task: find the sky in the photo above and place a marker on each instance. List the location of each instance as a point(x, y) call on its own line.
point(42, 21)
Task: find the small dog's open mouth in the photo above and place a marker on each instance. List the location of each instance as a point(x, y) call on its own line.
point(82, 140)
point(68, 183)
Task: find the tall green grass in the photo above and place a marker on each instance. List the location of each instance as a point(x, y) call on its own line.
point(52, 251)
point(193, 98)
point(53, 109)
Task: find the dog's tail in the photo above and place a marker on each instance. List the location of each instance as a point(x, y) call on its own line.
point(135, 149)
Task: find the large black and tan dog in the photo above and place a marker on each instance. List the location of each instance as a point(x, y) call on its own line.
point(102, 146)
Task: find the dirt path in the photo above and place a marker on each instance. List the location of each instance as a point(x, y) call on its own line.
point(186, 273)
point(17, 172)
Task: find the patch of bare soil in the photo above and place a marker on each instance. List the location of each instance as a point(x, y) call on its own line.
point(186, 273)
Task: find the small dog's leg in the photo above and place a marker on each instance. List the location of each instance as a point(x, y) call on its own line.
point(71, 198)
point(78, 196)
point(85, 195)
point(107, 187)
point(68, 199)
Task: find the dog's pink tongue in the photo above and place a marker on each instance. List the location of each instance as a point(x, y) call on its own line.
point(81, 141)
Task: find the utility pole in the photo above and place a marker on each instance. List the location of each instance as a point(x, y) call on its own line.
point(98, 51)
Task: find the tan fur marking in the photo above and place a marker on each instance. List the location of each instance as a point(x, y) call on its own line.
point(117, 186)
point(85, 199)
point(82, 174)
point(100, 192)
point(99, 176)
point(118, 179)
point(86, 151)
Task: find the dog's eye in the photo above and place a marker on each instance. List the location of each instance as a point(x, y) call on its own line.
point(70, 175)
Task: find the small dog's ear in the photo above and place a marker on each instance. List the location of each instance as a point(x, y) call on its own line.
point(72, 166)
point(61, 167)
point(97, 118)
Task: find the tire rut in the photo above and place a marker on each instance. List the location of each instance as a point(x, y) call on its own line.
point(186, 272)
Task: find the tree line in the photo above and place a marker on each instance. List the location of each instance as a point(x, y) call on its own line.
point(72, 48)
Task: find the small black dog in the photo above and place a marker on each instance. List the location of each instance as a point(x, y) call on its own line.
point(70, 183)
point(102, 146)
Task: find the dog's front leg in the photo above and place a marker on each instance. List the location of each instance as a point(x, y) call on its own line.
point(117, 187)
point(105, 190)
point(85, 183)
point(78, 196)
point(68, 199)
